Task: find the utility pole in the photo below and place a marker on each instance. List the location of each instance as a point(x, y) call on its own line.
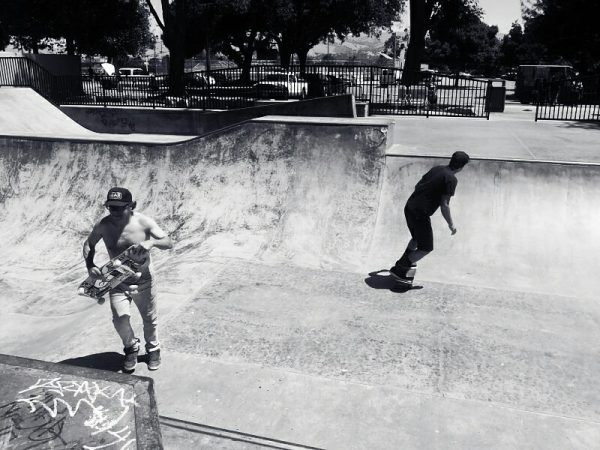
point(395, 42)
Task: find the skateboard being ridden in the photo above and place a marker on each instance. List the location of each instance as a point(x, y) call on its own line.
point(127, 266)
point(433, 191)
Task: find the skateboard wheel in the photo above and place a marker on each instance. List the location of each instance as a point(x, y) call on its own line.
point(81, 291)
point(117, 263)
point(138, 274)
point(101, 300)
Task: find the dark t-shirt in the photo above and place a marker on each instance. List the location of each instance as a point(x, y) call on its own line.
point(428, 193)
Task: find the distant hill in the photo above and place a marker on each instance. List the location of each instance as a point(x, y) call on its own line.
point(363, 45)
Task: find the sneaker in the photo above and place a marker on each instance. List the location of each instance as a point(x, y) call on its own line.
point(153, 353)
point(397, 273)
point(131, 355)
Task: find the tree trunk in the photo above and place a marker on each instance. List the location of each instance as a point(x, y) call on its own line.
point(420, 16)
point(285, 52)
point(247, 52)
point(174, 37)
point(176, 71)
point(302, 57)
point(70, 46)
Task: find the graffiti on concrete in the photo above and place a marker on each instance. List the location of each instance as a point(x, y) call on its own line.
point(69, 414)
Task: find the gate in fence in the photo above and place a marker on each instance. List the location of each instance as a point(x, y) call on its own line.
point(569, 99)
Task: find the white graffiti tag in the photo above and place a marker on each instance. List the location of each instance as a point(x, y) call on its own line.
point(85, 396)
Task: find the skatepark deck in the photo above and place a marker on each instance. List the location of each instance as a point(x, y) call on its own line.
point(47, 405)
point(273, 320)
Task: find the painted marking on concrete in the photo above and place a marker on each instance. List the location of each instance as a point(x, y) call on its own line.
point(46, 405)
point(84, 396)
point(523, 144)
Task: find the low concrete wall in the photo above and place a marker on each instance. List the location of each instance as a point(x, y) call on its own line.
point(197, 122)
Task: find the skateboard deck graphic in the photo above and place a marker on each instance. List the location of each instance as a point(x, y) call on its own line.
point(128, 264)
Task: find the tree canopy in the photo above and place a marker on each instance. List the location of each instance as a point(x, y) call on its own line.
point(569, 31)
point(459, 40)
point(109, 27)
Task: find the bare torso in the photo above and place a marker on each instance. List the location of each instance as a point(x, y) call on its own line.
point(120, 235)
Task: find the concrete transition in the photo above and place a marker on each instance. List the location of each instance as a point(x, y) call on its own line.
point(271, 322)
point(44, 405)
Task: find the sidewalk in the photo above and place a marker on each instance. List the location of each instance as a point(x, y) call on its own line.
point(513, 134)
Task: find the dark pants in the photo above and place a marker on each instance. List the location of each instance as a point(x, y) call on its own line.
point(419, 225)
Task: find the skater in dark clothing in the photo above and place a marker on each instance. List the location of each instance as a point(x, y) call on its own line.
point(433, 191)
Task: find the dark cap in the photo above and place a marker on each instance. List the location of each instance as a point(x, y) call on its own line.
point(119, 197)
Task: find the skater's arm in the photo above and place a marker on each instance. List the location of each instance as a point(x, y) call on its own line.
point(445, 208)
point(156, 236)
point(89, 250)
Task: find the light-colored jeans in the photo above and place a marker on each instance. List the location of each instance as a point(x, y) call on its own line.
point(145, 301)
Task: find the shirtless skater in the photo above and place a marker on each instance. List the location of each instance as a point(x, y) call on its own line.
point(120, 229)
point(432, 191)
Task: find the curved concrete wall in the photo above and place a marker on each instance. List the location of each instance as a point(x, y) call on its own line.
point(301, 194)
point(197, 122)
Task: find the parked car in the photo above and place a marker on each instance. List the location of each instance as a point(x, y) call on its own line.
point(389, 77)
point(274, 82)
point(272, 91)
point(320, 85)
point(131, 72)
point(196, 79)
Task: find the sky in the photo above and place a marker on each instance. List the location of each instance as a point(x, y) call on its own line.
point(501, 12)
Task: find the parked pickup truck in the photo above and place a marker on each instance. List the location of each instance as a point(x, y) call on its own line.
point(279, 83)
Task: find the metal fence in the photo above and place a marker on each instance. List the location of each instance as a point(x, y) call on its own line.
point(569, 99)
point(383, 88)
point(23, 72)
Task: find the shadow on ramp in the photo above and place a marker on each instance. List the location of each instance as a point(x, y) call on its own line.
point(111, 361)
point(382, 279)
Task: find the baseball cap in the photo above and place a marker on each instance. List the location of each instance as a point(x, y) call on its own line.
point(118, 196)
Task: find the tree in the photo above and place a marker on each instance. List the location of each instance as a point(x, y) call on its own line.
point(420, 18)
point(28, 23)
point(298, 25)
point(569, 30)
point(519, 48)
point(111, 27)
point(459, 40)
point(234, 28)
point(174, 28)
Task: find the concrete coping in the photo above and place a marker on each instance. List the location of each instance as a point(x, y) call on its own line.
point(137, 108)
point(359, 121)
point(391, 153)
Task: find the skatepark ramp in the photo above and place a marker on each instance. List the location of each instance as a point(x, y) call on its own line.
point(264, 298)
point(307, 194)
point(304, 194)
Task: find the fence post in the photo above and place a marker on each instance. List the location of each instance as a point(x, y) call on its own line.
point(371, 81)
point(488, 98)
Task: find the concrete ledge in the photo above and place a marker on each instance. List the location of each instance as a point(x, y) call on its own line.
point(125, 120)
point(78, 406)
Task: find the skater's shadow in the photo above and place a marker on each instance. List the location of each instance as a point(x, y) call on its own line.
point(111, 361)
point(382, 279)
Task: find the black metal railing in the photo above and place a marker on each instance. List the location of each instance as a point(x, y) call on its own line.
point(569, 99)
point(424, 93)
point(23, 72)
